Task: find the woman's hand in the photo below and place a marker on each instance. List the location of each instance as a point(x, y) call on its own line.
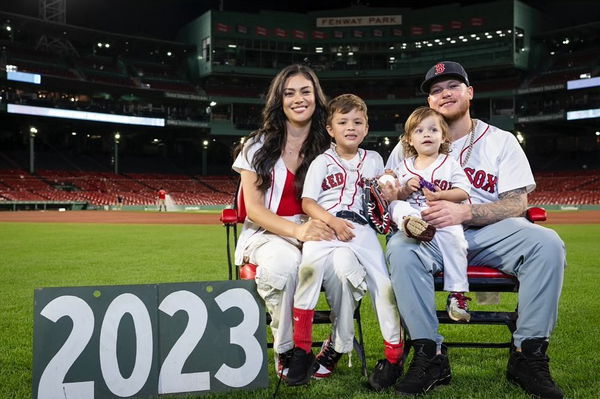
point(314, 230)
point(343, 229)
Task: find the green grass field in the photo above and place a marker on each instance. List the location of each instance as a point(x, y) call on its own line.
point(46, 255)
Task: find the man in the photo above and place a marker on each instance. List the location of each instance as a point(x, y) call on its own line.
point(162, 199)
point(498, 236)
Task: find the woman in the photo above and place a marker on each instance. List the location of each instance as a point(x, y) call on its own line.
point(273, 163)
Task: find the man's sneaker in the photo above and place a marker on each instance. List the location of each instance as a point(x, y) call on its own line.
point(301, 366)
point(458, 306)
point(530, 370)
point(385, 374)
point(326, 360)
point(282, 361)
point(426, 371)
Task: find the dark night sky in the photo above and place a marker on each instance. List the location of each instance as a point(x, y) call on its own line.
point(163, 18)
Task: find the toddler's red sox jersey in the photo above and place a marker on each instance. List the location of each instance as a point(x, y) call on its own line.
point(336, 183)
point(444, 172)
point(497, 163)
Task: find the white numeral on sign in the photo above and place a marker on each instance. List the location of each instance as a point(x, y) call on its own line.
point(52, 385)
point(126, 303)
point(171, 379)
point(242, 335)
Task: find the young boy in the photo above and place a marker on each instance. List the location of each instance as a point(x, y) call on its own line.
point(348, 265)
point(428, 173)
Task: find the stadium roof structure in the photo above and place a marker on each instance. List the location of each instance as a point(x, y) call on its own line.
point(162, 19)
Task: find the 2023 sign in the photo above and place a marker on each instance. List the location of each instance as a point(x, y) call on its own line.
point(146, 340)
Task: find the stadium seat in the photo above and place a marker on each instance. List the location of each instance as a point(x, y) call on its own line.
point(230, 217)
point(487, 279)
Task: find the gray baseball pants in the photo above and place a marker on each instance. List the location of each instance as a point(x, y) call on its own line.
point(535, 254)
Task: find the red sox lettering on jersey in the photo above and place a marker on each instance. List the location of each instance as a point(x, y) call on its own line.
point(480, 179)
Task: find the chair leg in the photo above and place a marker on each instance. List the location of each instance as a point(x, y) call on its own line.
point(359, 346)
point(229, 260)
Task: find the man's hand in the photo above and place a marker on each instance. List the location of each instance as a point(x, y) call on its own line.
point(445, 213)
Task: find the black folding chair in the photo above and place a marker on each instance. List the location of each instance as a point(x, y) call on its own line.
point(488, 279)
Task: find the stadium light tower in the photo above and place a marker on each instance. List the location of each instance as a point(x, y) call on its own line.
point(54, 11)
point(117, 137)
point(32, 133)
point(205, 144)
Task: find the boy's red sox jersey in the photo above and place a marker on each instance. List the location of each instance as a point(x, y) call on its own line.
point(336, 184)
point(497, 163)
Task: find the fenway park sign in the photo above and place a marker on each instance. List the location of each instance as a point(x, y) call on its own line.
point(369, 20)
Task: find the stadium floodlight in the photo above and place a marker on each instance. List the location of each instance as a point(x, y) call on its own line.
point(520, 137)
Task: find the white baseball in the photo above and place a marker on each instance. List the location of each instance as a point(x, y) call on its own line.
point(385, 179)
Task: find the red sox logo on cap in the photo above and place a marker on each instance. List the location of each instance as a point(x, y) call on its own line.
point(439, 68)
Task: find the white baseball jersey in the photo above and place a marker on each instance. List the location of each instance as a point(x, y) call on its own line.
point(497, 163)
point(444, 172)
point(336, 185)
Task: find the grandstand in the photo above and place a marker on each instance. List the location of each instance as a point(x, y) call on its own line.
point(187, 102)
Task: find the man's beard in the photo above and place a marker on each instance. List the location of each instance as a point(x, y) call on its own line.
point(464, 109)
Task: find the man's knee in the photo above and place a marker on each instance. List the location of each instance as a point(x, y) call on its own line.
point(402, 255)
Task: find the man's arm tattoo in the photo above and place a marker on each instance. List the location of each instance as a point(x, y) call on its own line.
point(510, 204)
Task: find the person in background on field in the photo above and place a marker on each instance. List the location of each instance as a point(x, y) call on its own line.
point(272, 164)
point(119, 202)
point(497, 235)
point(162, 199)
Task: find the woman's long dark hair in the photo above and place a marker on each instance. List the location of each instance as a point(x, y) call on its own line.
point(273, 129)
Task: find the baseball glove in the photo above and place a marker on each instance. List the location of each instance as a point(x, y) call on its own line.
point(376, 208)
point(417, 228)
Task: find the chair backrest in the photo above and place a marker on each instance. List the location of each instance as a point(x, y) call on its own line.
point(240, 205)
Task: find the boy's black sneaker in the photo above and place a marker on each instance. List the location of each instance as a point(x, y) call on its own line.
point(530, 370)
point(327, 359)
point(384, 375)
point(282, 361)
point(301, 366)
point(426, 371)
